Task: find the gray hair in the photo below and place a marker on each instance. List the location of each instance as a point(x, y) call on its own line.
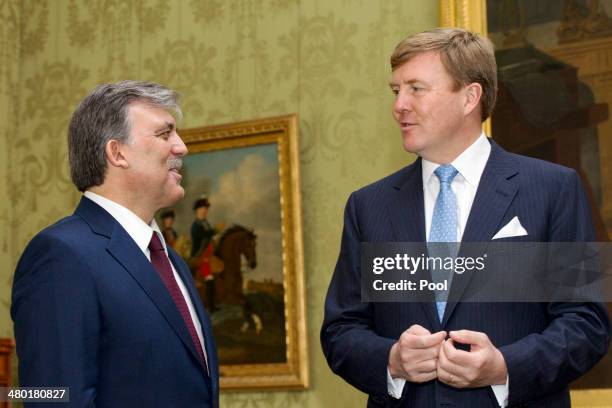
point(103, 116)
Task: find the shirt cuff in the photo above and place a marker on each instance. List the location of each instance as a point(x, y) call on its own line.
point(395, 386)
point(501, 392)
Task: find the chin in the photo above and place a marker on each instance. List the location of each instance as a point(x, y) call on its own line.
point(412, 141)
point(411, 147)
point(174, 196)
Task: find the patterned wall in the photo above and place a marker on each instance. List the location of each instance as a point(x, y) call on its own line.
point(11, 12)
point(10, 16)
point(232, 60)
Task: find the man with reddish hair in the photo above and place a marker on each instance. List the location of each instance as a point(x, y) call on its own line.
point(463, 187)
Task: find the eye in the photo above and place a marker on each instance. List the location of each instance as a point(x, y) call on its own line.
point(415, 89)
point(165, 135)
point(395, 91)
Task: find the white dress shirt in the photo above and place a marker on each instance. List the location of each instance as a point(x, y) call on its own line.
point(470, 165)
point(141, 233)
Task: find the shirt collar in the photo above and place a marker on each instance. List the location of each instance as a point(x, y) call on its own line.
point(470, 163)
point(136, 228)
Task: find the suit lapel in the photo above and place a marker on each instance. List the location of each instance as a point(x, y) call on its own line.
point(407, 216)
point(209, 343)
point(406, 210)
point(123, 248)
point(127, 253)
point(496, 191)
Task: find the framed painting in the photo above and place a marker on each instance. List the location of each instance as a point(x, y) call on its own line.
point(554, 67)
point(239, 228)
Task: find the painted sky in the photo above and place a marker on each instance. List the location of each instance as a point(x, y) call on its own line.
point(243, 187)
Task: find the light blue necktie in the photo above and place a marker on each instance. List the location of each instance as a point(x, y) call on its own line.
point(443, 229)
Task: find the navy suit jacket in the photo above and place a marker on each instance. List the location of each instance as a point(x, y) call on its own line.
point(92, 314)
point(545, 346)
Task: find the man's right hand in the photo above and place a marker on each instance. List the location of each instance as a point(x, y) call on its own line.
point(414, 356)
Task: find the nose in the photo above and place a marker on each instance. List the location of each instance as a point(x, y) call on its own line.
point(178, 146)
point(402, 103)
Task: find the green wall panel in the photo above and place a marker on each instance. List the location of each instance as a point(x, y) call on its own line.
point(231, 60)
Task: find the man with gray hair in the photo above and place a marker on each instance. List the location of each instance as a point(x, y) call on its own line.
point(100, 303)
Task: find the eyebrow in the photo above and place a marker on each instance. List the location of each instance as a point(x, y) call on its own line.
point(164, 128)
point(409, 82)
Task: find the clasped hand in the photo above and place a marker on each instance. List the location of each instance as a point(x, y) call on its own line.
point(420, 356)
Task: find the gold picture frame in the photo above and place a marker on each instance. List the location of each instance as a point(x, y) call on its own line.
point(270, 147)
point(472, 15)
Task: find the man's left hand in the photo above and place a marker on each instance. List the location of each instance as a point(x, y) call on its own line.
point(483, 365)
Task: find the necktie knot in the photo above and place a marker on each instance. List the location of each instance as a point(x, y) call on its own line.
point(446, 173)
point(155, 243)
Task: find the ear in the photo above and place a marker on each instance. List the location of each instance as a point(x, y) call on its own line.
point(473, 93)
point(114, 154)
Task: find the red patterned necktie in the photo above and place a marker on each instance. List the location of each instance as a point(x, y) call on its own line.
point(160, 262)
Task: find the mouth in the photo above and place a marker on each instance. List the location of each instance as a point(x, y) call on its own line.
point(405, 125)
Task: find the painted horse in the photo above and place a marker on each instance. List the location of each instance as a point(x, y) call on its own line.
point(235, 242)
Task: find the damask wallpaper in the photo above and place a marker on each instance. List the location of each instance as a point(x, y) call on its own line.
point(231, 60)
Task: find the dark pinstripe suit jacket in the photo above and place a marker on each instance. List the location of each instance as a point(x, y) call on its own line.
point(546, 346)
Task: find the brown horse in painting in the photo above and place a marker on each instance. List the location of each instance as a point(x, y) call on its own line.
point(236, 241)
